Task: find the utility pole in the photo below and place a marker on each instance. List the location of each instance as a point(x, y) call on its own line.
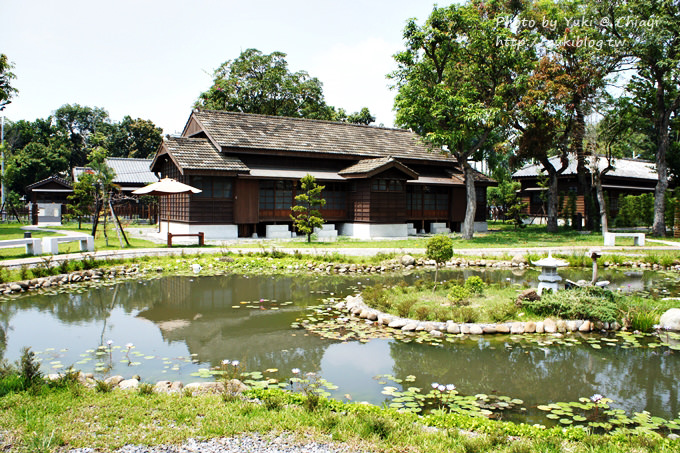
point(2, 164)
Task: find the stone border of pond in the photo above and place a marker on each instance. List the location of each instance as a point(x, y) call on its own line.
point(118, 382)
point(93, 275)
point(355, 306)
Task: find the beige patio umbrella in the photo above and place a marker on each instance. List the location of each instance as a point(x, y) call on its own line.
point(165, 187)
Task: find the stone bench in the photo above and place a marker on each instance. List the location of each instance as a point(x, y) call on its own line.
point(610, 238)
point(200, 236)
point(33, 245)
point(51, 244)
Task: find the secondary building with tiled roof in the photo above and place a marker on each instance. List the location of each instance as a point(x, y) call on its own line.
point(629, 177)
point(378, 181)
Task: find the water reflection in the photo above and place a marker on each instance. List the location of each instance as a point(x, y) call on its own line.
point(181, 324)
point(637, 379)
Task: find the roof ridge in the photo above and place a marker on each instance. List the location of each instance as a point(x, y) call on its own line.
point(226, 112)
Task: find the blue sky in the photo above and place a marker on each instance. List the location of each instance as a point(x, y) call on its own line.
point(150, 58)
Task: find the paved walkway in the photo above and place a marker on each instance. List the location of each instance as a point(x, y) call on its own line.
point(233, 246)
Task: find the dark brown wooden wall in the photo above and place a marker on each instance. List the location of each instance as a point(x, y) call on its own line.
point(360, 202)
point(246, 201)
point(458, 204)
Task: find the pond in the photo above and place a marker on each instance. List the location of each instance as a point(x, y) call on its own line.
point(171, 328)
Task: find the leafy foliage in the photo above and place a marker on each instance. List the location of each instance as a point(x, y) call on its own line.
point(457, 84)
point(7, 91)
point(475, 285)
point(591, 303)
point(259, 83)
point(305, 214)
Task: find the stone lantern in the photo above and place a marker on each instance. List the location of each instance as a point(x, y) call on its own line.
point(549, 277)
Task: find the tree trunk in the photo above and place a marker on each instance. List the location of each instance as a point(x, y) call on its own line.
point(578, 134)
point(553, 197)
point(662, 123)
point(468, 228)
point(600, 200)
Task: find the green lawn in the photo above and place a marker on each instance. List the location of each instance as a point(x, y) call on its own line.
point(14, 231)
point(500, 235)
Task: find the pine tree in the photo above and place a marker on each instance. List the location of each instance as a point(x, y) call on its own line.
point(305, 214)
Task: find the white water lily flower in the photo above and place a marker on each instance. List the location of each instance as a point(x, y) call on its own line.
point(596, 398)
point(129, 346)
point(441, 388)
point(235, 363)
point(109, 342)
point(295, 370)
point(435, 385)
point(450, 387)
point(226, 362)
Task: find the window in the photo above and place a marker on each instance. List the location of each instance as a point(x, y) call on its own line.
point(276, 195)
point(212, 187)
point(387, 185)
point(335, 196)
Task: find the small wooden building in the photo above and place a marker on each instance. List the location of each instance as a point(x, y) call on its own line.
point(379, 182)
point(629, 177)
point(48, 199)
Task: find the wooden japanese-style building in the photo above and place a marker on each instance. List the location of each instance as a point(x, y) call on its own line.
point(379, 182)
point(629, 177)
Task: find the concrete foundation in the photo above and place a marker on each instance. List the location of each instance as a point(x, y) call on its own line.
point(210, 231)
point(277, 232)
point(481, 227)
point(368, 231)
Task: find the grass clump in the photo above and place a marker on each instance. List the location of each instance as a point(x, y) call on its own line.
point(591, 303)
point(468, 301)
point(57, 420)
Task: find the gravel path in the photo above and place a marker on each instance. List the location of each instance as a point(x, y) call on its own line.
point(248, 443)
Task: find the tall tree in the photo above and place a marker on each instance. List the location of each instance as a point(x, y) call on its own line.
point(575, 67)
point(7, 91)
point(649, 31)
point(77, 124)
point(457, 82)
point(136, 138)
point(260, 83)
point(33, 163)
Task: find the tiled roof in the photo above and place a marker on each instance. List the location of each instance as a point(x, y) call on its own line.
point(260, 132)
point(54, 178)
point(127, 170)
point(370, 165)
point(200, 154)
point(623, 168)
point(131, 171)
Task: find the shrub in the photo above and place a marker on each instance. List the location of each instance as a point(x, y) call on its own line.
point(583, 303)
point(440, 249)
point(464, 314)
point(475, 285)
point(29, 368)
point(405, 305)
point(375, 296)
point(502, 311)
point(459, 295)
point(422, 312)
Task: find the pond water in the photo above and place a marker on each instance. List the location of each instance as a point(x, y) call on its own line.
point(180, 325)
